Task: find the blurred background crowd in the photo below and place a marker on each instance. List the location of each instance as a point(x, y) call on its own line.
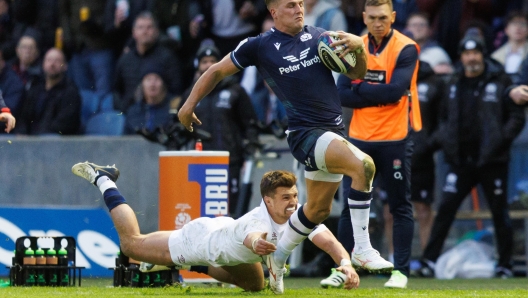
point(62, 62)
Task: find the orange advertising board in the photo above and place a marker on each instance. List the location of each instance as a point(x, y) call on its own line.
point(192, 184)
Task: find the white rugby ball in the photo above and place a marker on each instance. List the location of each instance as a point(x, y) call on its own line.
point(330, 55)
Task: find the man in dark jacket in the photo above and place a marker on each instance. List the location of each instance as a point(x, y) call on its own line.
point(147, 51)
point(478, 125)
point(226, 113)
point(52, 105)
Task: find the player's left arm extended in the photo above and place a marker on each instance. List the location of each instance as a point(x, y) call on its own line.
point(204, 86)
point(360, 94)
point(325, 240)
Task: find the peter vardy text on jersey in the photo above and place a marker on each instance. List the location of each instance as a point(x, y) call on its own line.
point(304, 64)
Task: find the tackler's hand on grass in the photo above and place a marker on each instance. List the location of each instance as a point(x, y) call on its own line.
point(352, 281)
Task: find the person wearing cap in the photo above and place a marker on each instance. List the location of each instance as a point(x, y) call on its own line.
point(151, 109)
point(478, 124)
point(226, 113)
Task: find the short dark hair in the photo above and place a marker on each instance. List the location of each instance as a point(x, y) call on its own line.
point(274, 179)
point(516, 14)
point(379, 3)
point(146, 15)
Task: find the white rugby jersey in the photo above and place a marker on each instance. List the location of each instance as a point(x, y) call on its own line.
point(222, 240)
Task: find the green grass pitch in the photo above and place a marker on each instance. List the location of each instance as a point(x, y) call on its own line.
point(295, 287)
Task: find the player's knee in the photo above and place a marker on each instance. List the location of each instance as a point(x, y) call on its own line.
point(127, 248)
point(369, 169)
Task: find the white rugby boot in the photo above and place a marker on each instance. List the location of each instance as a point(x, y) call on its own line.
point(370, 260)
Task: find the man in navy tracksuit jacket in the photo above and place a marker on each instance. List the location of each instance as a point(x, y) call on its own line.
point(477, 127)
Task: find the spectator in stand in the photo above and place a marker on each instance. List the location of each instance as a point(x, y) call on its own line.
point(119, 18)
point(6, 30)
point(40, 17)
point(152, 109)
point(324, 14)
point(5, 116)
point(519, 91)
point(476, 148)
point(179, 25)
point(92, 61)
point(230, 21)
point(404, 9)
point(27, 64)
point(511, 54)
point(11, 87)
point(52, 104)
point(430, 51)
point(147, 50)
point(451, 19)
point(353, 11)
point(228, 115)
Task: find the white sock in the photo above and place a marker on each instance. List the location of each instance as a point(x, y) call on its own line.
point(360, 213)
point(105, 183)
point(291, 238)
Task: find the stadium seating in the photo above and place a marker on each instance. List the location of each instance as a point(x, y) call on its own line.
point(108, 123)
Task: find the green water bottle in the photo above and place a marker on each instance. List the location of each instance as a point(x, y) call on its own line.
point(64, 272)
point(52, 261)
point(41, 272)
point(118, 271)
point(135, 274)
point(29, 272)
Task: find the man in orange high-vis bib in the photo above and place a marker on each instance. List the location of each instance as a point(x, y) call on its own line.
point(385, 107)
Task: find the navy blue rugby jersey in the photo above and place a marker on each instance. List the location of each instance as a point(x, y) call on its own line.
point(292, 68)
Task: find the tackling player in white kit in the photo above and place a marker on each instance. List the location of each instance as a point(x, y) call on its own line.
point(228, 250)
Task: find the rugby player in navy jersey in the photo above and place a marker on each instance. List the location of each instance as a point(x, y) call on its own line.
point(286, 56)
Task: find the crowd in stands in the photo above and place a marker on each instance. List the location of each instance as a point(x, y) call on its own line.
point(110, 47)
